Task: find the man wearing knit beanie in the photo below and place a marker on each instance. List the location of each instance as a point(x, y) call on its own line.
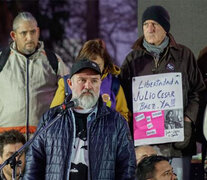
point(158, 14)
point(156, 24)
point(157, 52)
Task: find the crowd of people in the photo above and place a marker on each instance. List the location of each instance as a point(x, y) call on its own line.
point(92, 103)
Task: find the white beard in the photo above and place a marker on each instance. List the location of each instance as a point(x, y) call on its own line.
point(86, 101)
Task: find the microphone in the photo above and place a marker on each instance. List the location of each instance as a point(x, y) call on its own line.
point(69, 104)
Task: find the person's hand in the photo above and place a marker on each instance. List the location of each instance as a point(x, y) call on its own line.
point(187, 134)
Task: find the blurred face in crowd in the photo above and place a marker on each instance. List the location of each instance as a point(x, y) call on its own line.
point(26, 37)
point(164, 171)
point(144, 151)
point(153, 32)
point(85, 86)
point(100, 62)
point(8, 150)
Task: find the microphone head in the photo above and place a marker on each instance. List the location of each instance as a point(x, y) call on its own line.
point(69, 104)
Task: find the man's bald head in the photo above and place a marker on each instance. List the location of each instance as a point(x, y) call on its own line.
point(144, 151)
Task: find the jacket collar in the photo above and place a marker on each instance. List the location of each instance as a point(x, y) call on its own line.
point(102, 109)
point(115, 70)
point(14, 48)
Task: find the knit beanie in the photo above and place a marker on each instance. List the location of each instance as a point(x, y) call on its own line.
point(158, 14)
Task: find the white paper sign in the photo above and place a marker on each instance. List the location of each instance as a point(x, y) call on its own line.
point(158, 108)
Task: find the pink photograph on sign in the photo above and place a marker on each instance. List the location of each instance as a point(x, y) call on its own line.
point(148, 124)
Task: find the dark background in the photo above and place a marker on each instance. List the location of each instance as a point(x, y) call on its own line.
point(66, 24)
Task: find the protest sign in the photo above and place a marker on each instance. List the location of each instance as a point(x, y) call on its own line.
point(158, 108)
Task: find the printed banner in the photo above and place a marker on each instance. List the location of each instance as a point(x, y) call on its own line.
point(158, 108)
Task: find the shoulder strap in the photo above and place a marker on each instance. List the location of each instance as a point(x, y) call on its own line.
point(50, 55)
point(4, 56)
point(52, 58)
point(67, 88)
point(115, 84)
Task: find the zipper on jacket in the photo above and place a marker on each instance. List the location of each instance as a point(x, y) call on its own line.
point(73, 140)
point(88, 136)
point(27, 99)
point(158, 61)
point(89, 124)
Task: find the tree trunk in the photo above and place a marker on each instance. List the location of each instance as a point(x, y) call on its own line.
point(92, 27)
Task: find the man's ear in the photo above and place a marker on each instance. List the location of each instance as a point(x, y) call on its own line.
point(13, 35)
point(69, 83)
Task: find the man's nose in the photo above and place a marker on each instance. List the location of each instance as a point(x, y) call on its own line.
point(88, 84)
point(29, 36)
point(151, 27)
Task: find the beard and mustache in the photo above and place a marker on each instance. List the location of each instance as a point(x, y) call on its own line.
point(87, 99)
point(29, 50)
